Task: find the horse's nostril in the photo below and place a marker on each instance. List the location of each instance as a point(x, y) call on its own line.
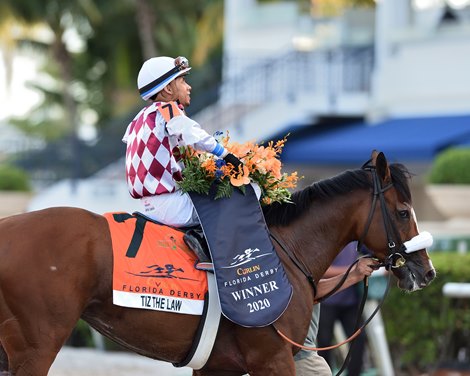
point(430, 275)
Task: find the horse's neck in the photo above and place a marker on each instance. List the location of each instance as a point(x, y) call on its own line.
point(321, 233)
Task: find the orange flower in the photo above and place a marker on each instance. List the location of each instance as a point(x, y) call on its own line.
point(209, 166)
point(251, 165)
point(261, 163)
point(267, 201)
point(280, 144)
point(273, 166)
point(240, 150)
point(225, 140)
point(241, 178)
point(291, 180)
point(263, 153)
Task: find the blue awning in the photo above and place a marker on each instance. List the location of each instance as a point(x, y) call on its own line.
point(404, 139)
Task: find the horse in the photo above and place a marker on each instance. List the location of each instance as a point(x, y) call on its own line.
point(56, 267)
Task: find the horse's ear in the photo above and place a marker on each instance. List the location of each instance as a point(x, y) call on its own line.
point(381, 166)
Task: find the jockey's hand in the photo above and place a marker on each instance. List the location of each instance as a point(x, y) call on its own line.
point(234, 161)
point(364, 267)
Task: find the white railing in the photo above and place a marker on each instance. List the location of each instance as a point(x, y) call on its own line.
point(331, 73)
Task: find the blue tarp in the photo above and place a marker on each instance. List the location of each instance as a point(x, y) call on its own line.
point(404, 139)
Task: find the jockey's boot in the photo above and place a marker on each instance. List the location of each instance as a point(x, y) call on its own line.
point(195, 240)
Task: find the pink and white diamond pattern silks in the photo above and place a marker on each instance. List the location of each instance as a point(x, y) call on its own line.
point(152, 162)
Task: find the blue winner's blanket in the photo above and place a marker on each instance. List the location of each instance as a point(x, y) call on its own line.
point(253, 287)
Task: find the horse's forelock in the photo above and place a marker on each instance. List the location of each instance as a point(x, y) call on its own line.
point(284, 214)
point(401, 178)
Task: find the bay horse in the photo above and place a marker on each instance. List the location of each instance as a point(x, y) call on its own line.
point(56, 267)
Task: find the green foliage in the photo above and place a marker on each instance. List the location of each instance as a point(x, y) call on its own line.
point(451, 167)
point(195, 178)
point(418, 324)
point(203, 173)
point(224, 189)
point(13, 179)
point(101, 78)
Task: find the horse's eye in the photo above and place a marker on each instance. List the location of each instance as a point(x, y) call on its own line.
point(404, 214)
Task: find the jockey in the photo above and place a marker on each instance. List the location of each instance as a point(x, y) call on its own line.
point(153, 138)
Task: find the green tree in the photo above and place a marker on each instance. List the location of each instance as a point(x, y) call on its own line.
point(58, 17)
point(100, 78)
point(145, 19)
point(117, 37)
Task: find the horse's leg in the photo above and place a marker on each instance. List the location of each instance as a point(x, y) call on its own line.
point(26, 358)
point(281, 364)
point(31, 351)
point(265, 352)
point(33, 328)
point(46, 281)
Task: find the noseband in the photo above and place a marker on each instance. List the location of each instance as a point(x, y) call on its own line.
point(396, 258)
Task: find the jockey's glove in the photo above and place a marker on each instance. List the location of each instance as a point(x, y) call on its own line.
point(234, 161)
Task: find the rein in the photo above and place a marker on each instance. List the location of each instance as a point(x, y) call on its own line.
point(358, 331)
point(298, 262)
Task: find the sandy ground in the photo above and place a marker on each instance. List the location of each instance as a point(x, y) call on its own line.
point(83, 361)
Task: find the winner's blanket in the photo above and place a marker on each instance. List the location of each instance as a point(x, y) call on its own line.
point(253, 287)
point(153, 267)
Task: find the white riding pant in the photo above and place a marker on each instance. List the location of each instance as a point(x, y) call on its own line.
point(175, 209)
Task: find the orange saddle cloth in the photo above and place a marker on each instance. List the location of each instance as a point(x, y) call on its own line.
point(153, 268)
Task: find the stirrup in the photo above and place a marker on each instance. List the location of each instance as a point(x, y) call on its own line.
point(204, 266)
point(197, 244)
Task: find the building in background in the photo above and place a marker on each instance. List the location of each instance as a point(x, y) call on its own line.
point(392, 78)
point(404, 61)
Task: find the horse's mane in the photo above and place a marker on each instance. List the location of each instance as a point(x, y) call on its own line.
point(284, 214)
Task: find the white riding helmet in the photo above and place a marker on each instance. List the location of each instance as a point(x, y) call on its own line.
point(158, 72)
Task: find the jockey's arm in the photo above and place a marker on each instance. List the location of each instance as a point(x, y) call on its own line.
point(191, 134)
point(362, 269)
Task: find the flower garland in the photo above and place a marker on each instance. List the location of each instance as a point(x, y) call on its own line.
point(261, 165)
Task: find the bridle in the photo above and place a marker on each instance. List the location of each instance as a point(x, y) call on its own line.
point(396, 258)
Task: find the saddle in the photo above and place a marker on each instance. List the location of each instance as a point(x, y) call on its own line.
point(193, 236)
point(154, 269)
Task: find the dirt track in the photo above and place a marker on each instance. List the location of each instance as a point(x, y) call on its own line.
point(81, 362)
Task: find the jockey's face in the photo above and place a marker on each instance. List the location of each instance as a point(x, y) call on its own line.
point(182, 90)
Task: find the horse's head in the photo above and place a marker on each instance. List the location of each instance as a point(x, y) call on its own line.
point(391, 231)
